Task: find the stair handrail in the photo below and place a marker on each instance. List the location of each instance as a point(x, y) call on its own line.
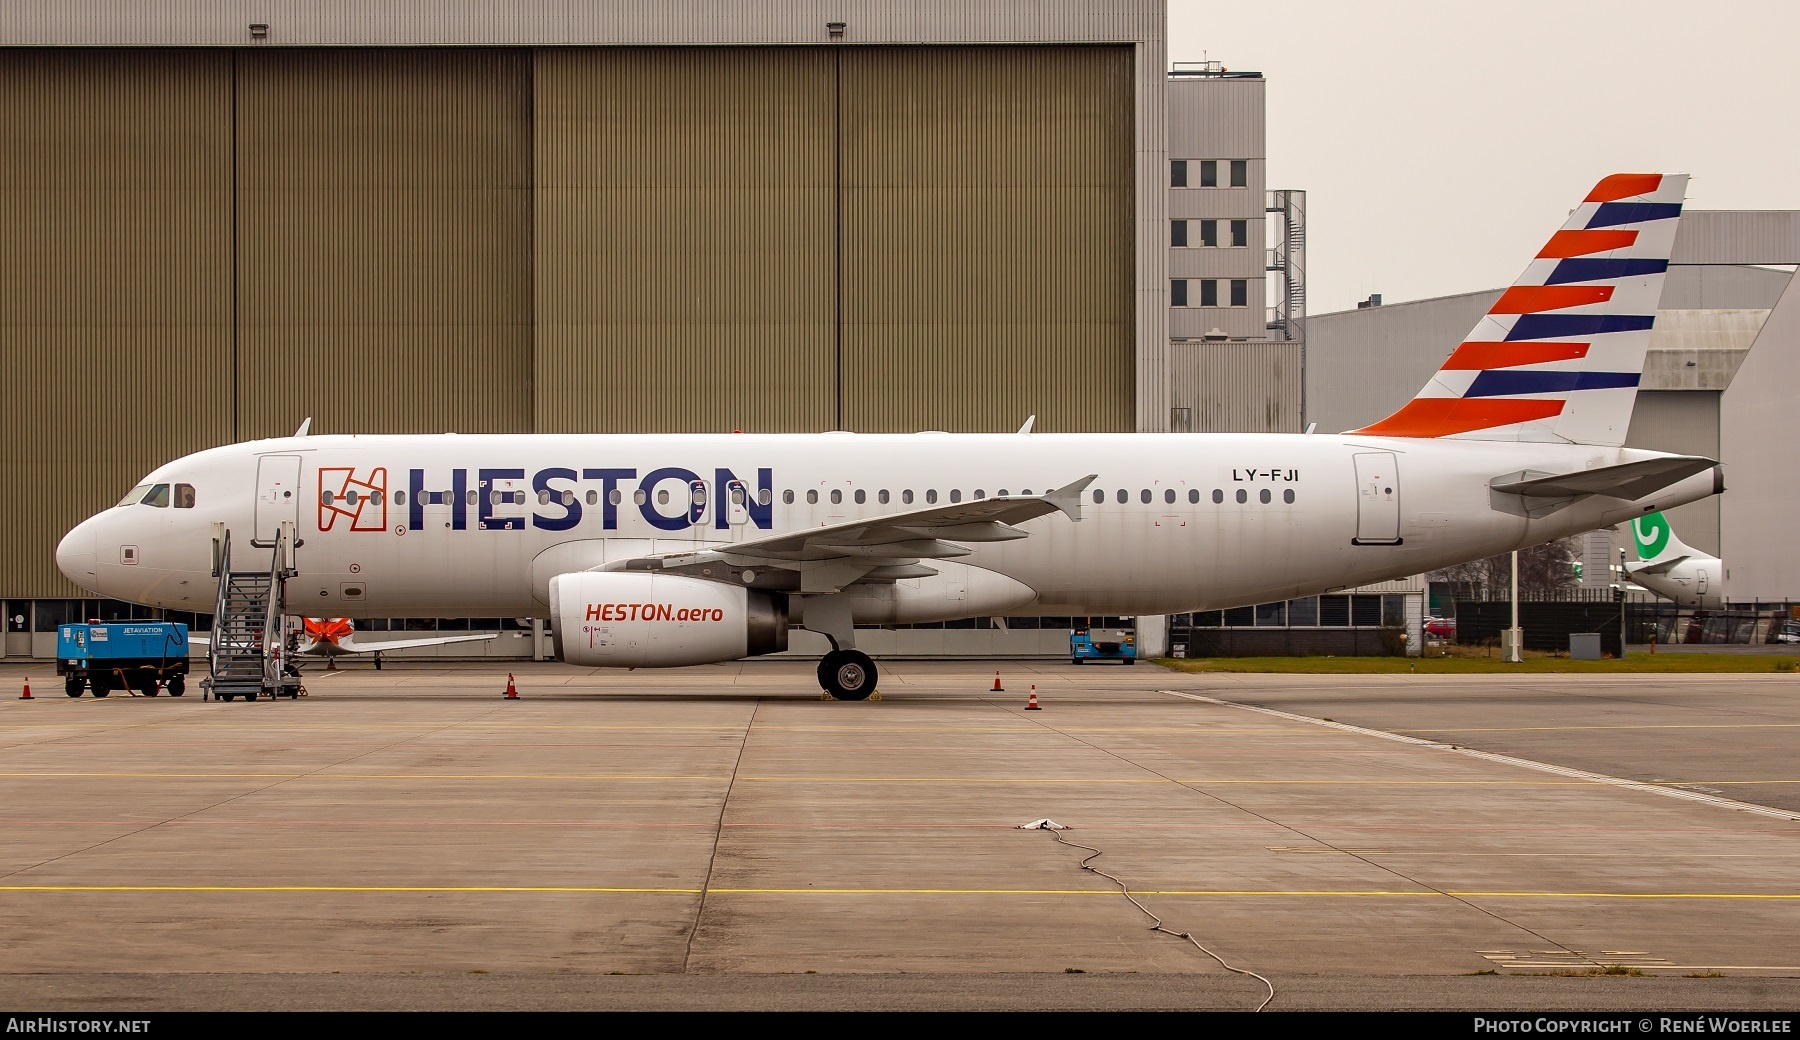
point(218, 628)
point(274, 639)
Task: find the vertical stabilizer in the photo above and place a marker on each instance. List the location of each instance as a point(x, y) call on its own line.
point(1558, 357)
point(1656, 540)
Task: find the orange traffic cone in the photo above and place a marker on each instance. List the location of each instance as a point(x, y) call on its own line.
point(512, 692)
point(27, 694)
point(997, 687)
point(1031, 704)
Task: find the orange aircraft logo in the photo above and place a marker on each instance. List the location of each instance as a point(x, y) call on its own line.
point(362, 503)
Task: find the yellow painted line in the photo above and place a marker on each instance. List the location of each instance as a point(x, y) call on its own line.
point(361, 776)
point(1555, 729)
point(1269, 781)
point(631, 890)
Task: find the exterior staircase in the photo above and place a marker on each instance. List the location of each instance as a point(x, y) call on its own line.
point(247, 656)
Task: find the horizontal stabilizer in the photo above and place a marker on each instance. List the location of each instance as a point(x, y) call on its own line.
point(1659, 567)
point(1629, 481)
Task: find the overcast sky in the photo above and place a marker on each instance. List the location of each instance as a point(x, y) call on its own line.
point(1441, 143)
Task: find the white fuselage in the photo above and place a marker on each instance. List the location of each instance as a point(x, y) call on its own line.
point(1183, 521)
point(1694, 582)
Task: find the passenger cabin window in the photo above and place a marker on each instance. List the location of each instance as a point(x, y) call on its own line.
point(326, 497)
point(1099, 496)
point(615, 496)
point(861, 496)
point(906, 497)
point(1218, 496)
point(787, 497)
point(399, 498)
point(1144, 496)
point(764, 496)
point(593, 498)
point(1193, 496)
point(956, 494)
point(837, 497)
point(1124, 496)
point(882, 497)
point(931, 497)
point(1242, 496)
point(1288, 496)
point(812, 496)
point(157, 496)
point(1169, 495)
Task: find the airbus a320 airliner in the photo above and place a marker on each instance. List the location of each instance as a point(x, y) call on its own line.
point(676, 550)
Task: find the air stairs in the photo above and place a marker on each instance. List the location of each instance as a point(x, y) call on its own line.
point(248, 652)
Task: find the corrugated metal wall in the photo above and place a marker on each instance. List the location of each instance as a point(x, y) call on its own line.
point(115, 283)
point(201, 246)
point(1237, 387)
point(686, 265)
point(384, 241)
point(988, 216)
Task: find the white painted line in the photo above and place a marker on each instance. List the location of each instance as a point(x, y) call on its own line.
point(1523, 763)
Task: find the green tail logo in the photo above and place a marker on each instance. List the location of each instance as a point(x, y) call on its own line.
point(1652, 534)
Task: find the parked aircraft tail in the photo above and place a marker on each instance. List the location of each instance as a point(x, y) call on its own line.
point(1656, 541)
point(1558, 357)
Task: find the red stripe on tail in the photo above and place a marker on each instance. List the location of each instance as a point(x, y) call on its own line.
point(1531, 299)
point(1443, 416)
point(1477, 356)
point(1565, 244)
point(1624, 186)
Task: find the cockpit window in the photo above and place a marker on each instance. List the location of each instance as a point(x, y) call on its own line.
point(184, 496)
point(158, 496)
point(134, 496)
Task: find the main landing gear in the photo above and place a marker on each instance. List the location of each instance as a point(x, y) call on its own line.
point(848, 675)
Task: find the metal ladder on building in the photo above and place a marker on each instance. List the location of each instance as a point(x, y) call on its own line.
point(247, 655)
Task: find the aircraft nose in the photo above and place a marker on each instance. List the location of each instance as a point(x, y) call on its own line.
point(75, 555)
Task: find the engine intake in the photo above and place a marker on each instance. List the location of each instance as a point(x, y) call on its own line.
point(650, 620)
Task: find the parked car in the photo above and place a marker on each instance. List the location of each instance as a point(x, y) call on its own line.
point(1440, 627)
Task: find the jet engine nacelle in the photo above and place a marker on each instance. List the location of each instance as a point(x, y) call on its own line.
point(649, 620)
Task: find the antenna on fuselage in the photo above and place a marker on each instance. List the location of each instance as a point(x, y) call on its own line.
point(304, 426)
point(1028, 422)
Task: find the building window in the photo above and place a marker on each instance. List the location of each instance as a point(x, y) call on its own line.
point(1209, 232)
point(1209, 292)
point(1240, 233)
point(1178, 232)
point(1240, 173)
point(1178, 292)
point(1209, 173)
point(1240, 292)
point(1177, 173)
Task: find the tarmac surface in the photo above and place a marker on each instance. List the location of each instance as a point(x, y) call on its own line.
point(722, 838)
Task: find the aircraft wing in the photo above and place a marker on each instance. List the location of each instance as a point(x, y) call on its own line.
point(1630, 480)
point(881, 548)
point(350, 645)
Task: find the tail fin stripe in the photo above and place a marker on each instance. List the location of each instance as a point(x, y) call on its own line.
point(1530, 299)
point(1445, 416)
point(1564, 326)
point(1624, 186)
point(1581, 243)
point(1598, 270)
point(1510, 383)
point(1610, 214)
point(1477, 356)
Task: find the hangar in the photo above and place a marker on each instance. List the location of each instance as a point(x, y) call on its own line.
point(771, 215)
